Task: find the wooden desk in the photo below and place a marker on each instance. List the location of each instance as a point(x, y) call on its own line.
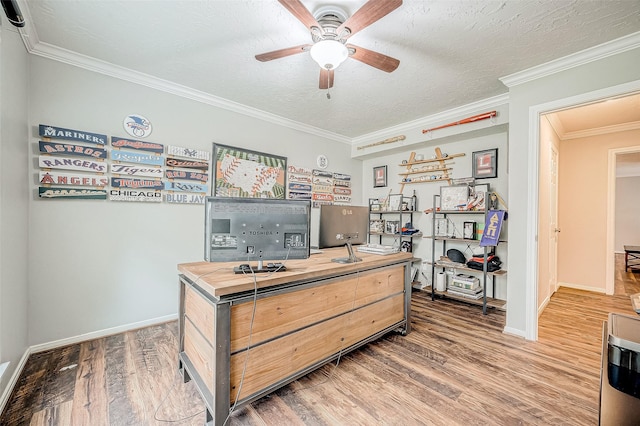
point(631, 257)
point(304, 317)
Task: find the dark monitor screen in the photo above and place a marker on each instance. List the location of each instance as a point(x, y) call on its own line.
point(339, 224)
point(256, 229)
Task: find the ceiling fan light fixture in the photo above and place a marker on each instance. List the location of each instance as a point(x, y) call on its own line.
point(329, 54)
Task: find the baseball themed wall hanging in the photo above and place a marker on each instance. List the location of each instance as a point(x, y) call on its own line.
point(137, 125)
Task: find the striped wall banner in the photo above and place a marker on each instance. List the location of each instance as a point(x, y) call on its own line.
point(72, 193)
point(118, 142)
point(136, 170)
point(186, 187)
point(72, 179)
point(71, 149)
point(137, 157)
point(133, 195)
point(119, 182)
point(179, 151)
point(71, 163)
point(52, 132)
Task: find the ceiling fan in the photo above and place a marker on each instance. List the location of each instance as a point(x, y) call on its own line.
point(330, 31)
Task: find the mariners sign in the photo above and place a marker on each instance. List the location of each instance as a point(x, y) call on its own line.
point(73, 135)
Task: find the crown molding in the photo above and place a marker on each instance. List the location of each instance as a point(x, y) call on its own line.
point(415, 135)
point(614, 47)
point(634, 125)
point(45, 50)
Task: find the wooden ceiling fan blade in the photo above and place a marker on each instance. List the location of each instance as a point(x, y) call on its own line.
point(281, 53)
point(326, 78)
point(374, 59)
point(297, 9)
point(369, 13)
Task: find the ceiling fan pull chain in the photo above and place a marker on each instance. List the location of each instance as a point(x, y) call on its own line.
point(328, 86)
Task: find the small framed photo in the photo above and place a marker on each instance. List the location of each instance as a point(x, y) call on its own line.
point(441, 227)
point(395, 201)
point(469, 231)
point(454, 198)
point(406, 246)
point(478, 197)
point(380, 176)
point(376, 226)
point(392, 227)
point(375, 207)
point(485, 164)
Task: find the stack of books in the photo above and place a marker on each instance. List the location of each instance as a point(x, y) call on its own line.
point(465, 286)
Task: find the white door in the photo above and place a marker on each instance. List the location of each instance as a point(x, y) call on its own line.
point(553, 222)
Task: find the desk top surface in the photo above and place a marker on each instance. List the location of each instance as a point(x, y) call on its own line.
point(632, 249)
point(218, 278)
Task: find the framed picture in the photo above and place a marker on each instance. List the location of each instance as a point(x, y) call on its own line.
point(376, 226)
point(485, 164)
point(478, 197)
point(242, 173)
point(375, 207)
point(392, 227)
point(395, 201)
point(469, 231)
point(441, 227)
point(454, 197)
point(380, 176)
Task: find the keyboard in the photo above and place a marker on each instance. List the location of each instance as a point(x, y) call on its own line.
point(377, 249)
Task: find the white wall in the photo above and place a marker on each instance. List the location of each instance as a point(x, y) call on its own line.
point(13, 201)
point(627, 212)
point(607, 72)
point(465, 143)
point(101, 264)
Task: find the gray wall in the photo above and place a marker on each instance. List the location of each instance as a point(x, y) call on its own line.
point(97, 265)
point(13, 200)
point(607, 72)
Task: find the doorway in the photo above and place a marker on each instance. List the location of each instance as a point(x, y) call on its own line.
point(579, 124)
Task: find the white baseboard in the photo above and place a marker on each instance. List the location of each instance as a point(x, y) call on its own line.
point(582, 287)
point(101, 333)
point(14, 379)
point(514, 332)
point(543, 305)
point(71, 341)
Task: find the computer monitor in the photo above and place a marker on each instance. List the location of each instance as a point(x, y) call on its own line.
point(256, 229)
point(343, 226)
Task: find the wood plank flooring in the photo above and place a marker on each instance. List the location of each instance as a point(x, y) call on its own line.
point(455, 367)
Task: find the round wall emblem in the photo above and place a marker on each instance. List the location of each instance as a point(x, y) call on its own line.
point(322, 161)
point(137, 126)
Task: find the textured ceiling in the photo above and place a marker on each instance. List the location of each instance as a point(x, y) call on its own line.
point(451, 53)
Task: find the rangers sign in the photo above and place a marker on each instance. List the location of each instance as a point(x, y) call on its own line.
point(70, 163)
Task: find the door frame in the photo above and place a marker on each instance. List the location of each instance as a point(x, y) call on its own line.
point(535, 113)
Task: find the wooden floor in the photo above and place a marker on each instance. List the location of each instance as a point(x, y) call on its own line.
point(455, 367)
